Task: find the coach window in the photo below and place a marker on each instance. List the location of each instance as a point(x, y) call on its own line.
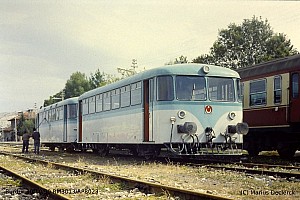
point(106, 101)
point(240, 90)
point(277, 89)
point(41, 116)
point(165, 88)
point(47, 115)
point(115, 99)
point(85, 107)
point(258, 92)
point(99, 103)
point(72, 112)
point(57, 113)
point(136, 93)
point(61, 112)
point(190, 88)
point(53, 118)
point(295, 85)
point(92, 105)
point(125, 96)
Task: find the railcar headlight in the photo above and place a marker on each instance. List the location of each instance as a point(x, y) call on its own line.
point(181, 114)
point(242, 128)
point(232, 115)
point(205, 69)
point(187, 127)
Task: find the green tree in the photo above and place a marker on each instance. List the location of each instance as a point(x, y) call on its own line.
point(97, 79)
point(76, 85)
point(180, 60)
point(55, 98)
point(25, 125)
point(247, 44)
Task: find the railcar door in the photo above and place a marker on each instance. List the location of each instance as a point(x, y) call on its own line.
point(80, 122)
point(65, 129)
point(148, 109)
point(295, 97)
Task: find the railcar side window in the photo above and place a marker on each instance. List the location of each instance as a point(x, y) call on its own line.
point(53, 114)
point(190, 88)
point(41, 117)
point(92, 104)
point(258, 92)
point(57, 113)
point(48, 115)
point(125, 96)
point(165, 88)
point(220, 89)
point(72, 112)
point(277, 89)
point(136, 93)
point(115, 98)
point(99, 103)
point(61, 113)
point(106, 101)
point(85, 107)
point(295, 85)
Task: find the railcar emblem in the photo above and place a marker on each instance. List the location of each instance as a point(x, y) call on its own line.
point(208, 109)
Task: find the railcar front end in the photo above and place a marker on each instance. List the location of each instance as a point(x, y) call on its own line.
point(203, 115)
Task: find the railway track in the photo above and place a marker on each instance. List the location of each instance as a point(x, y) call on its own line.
point(146, 187)
point(283, 171)
point(30, 187)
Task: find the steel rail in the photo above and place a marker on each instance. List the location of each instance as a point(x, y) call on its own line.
point(267, 166)
point(247, 167)
point(37, 188)
point(147, 187)
point(258, 171)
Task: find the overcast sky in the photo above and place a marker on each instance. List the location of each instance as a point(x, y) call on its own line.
point(43, 42)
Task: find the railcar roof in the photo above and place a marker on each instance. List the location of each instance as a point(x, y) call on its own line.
point(270, 68)
point(72, 100)
point(179, 69)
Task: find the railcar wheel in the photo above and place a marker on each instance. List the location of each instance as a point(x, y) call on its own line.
point(287, 152)
point(70, 149)
point(253, 152)
point(61, 149)
point(103, 151)
point(52, 148)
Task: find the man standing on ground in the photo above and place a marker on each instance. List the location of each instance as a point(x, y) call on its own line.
point(36, 138)
point(25, 138)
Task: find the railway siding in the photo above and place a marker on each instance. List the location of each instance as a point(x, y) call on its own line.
point(229, 184)
point(149, 188)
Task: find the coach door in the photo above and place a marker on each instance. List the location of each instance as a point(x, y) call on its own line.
point(295, 98)
point(148, 110)
point(65, 128)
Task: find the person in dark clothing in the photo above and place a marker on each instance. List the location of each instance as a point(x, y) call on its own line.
point(25, 138)
point(36, 138)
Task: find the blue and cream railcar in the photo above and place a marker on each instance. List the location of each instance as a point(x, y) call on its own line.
point(57, 124)
point(187, 109)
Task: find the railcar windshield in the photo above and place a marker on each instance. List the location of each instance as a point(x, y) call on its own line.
point(220, 89)
point(190, 88)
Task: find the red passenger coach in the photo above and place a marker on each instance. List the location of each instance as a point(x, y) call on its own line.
point(271, 100)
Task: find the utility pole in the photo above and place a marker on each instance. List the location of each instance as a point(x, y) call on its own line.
point(16, 131)
point(129, 72)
